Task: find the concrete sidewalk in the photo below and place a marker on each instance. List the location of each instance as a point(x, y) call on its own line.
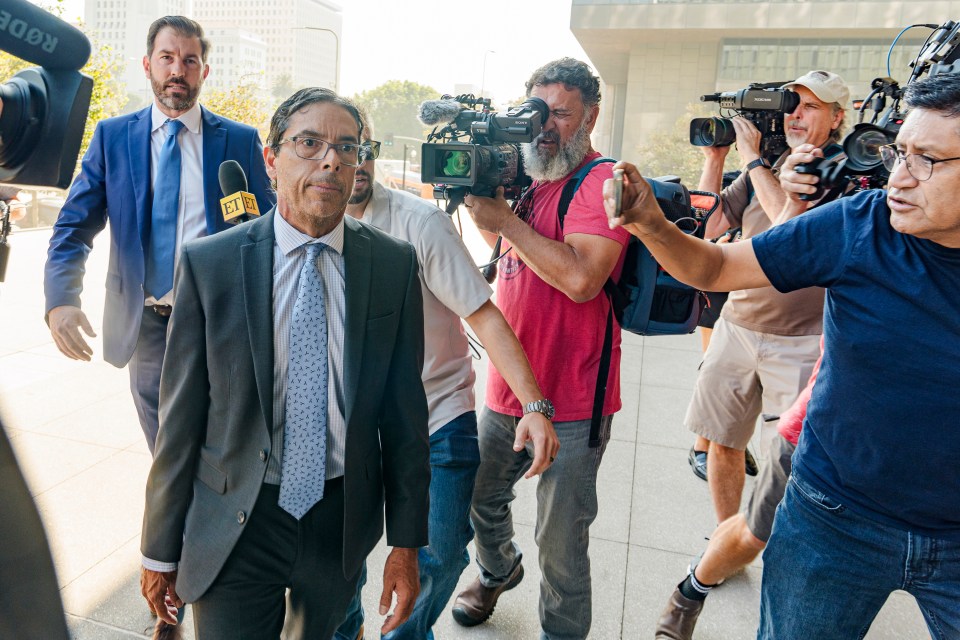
point(75, 432)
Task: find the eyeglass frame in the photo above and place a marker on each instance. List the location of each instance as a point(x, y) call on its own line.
point(336, 146)
point(900, 156)
point(372, 149)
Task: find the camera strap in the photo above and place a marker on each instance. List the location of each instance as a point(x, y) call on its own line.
point(606, 352)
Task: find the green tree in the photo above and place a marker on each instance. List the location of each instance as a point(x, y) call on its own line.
point(244, 104)
point(670, 152)
point(393, 107)
point(282, 88)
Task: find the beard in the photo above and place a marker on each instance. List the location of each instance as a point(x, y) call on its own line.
point(361, 194)
point(795, 140)
point(542, 165)
point(176, 103)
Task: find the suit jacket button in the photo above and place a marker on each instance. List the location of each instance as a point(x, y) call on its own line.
point(241, 517)
point(263, 455)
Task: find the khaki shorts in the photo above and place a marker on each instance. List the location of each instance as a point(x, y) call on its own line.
point(745, 373)
point(770, 486)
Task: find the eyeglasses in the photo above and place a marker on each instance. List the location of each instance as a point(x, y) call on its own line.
point(370, 151)
point(316, 149)
point(918, 165)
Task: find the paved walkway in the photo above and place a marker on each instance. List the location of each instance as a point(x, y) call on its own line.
point(76, 434)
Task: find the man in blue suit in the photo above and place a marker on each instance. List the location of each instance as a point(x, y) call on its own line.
point(153, 175)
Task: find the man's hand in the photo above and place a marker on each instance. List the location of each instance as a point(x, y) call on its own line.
point(400, 576)
point(716, 154)
point(65, 323)
point(638, 205)
point(796, 184)
point(159, 589)
point(489, 214)
point(748, 139)
point(535, 427)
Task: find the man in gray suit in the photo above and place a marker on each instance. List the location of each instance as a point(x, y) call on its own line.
point(291, 405)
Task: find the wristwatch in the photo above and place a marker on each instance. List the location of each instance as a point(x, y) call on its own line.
point(540, 406)
point(759, 162)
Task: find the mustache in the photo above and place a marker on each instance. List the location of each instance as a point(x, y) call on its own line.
point(326, 182)
point(547, 136)
point(180, 82)
point(362, 173)
point(796, 123)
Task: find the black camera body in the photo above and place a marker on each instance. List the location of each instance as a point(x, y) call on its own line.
point(860, 163)
point(478, 149)
point(764, 104)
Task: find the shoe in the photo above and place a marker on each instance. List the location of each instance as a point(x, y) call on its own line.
point(678, 618)
point(698, 462)
point(475, 604)
point(749, 464)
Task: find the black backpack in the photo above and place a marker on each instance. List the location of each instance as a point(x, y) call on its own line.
point(646, 301)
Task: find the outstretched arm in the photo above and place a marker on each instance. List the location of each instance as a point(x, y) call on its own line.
point(508, 357)
point(699, 263)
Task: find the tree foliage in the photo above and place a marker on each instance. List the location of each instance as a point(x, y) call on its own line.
point(245, 103)
point(670, 152)
point(393, 107)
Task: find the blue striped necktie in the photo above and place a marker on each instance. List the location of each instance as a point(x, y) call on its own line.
point(163, 220)
point(304, 464)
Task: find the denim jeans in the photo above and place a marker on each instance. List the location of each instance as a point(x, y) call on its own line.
point(827, 571)
point(566, 507)
point(454, 458)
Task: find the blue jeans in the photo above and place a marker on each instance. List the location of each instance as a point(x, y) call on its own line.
point(827, 571)
point(566, 507)
point(454, 458)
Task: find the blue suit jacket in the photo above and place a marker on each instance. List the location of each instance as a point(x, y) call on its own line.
point(114, 185)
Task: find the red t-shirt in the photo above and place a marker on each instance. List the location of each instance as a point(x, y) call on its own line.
point(562, 339)
point(791, 421)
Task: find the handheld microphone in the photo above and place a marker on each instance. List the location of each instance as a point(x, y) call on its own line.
point(237, 206)
point(32, 34)
point(436, 111)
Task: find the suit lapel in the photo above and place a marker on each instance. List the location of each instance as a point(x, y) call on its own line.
point(214, 152)
point(357, 260)
point(138, 149)
point(256, 263)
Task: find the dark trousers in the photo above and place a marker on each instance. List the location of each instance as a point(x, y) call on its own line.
point(249, 599)
point(144, 368)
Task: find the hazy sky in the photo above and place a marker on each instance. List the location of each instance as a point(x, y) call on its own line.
point(443, 42)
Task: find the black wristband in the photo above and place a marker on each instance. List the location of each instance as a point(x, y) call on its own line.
point(759, 162)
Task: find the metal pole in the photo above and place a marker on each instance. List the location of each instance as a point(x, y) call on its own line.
point(336, 39)
point(403, 184)
point(483, 78)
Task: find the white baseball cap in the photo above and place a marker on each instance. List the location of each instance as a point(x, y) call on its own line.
point(828, 87)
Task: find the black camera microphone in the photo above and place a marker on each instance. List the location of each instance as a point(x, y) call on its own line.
point(237, 205)
point(33, 34)
point(439, 111)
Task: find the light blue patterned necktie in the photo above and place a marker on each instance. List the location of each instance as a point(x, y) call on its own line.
point(303, 469)
point(163, 220)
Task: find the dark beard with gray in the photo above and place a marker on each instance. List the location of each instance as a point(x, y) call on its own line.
point(546, 167)
point(176, 103)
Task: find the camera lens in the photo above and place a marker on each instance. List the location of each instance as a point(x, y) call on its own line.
point(712, 132)
point(456, 164)
point(864, 148)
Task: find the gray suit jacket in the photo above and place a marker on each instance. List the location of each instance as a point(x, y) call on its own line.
point(216, 401)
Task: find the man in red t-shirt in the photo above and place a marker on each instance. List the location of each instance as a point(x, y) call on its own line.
point(551, 292)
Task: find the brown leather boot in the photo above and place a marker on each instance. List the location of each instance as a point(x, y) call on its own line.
point(475, 603)
point(678, 618)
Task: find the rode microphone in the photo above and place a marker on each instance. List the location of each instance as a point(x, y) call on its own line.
point(238, 205)
point(32, 34)
point(436, 111)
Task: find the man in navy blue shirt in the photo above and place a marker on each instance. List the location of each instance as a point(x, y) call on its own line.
point(874, 501)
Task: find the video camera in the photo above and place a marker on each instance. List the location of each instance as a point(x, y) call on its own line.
point(762, 103)
point(860, 162)
point(44, 109)
point(477, 150)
